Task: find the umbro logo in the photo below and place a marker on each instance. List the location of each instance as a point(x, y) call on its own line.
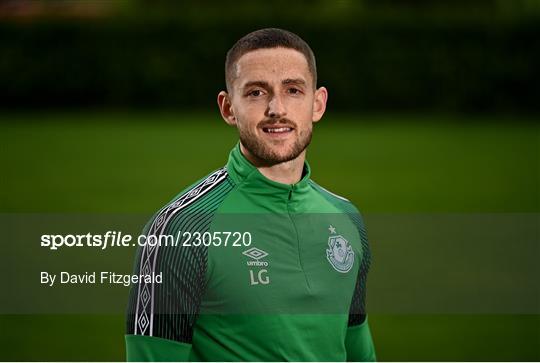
point(257, 276)
point(255, 253)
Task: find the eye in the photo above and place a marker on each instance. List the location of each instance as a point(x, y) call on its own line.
point(255, 93)
point(293, 91)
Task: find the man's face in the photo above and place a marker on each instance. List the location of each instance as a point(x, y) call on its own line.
point(273, 103)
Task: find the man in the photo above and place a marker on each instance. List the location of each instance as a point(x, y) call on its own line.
point(289, 284)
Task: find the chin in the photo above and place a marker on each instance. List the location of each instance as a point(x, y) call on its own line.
point(284, 156)
point(272, 151)
point(281, 151)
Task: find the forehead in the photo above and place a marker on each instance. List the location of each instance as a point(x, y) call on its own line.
point(271, 65)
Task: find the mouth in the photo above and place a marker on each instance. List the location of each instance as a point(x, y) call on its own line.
point(277, 129)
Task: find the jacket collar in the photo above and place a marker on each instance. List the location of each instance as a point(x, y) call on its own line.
point(243, 172)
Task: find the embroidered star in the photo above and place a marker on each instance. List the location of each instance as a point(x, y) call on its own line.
point(332, 229)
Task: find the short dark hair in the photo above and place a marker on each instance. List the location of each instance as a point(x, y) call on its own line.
point(267, 38)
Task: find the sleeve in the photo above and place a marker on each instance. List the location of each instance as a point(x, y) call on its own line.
point(161, 316)
point(140, 348)
point(358, 342)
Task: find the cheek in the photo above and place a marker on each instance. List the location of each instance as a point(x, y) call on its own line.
point(247, 121)
point(249, 114)
point(306, 129)
point(304, 107)
point(304, 114)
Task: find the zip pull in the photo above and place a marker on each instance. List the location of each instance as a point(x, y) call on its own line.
point(290, 194)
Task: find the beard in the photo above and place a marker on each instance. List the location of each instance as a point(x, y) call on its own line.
point(267, 154)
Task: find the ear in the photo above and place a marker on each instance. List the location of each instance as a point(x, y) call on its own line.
point(319, 103)
point(225, 107)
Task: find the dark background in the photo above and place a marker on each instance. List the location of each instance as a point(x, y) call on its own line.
point(459, 56)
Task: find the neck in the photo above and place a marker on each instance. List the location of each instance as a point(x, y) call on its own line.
point(288, 172)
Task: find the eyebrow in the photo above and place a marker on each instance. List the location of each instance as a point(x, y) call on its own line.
point(265, 84)
point(299, 81)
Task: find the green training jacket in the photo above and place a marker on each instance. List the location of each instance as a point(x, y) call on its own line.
point(248, 269)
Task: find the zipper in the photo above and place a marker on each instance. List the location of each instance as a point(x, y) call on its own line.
point(297, 241)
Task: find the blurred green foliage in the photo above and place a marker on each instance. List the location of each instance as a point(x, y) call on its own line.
point(135, 162)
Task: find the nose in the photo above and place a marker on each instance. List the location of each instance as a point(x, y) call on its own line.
point(276, 108)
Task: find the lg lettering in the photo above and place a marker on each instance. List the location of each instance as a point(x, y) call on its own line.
point(260, 277)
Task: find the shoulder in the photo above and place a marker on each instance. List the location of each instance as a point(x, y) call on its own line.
point(201, 197)
point(343, 204)
point(200, 188)
point(339, 201)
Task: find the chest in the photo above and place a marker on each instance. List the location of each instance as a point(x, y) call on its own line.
point(286, 263)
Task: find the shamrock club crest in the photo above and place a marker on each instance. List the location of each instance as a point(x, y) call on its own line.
point(339, 252)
